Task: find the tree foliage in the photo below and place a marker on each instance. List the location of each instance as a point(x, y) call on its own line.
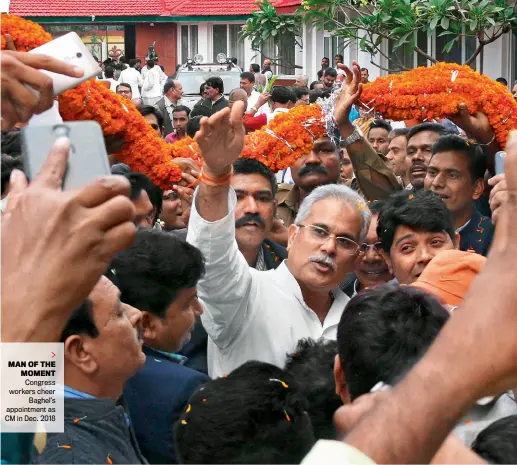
point(371, 22)
point(265, 25)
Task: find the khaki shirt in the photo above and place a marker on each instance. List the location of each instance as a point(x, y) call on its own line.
point(288, 199)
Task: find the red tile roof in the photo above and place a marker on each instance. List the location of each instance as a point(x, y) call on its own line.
point(65, 8)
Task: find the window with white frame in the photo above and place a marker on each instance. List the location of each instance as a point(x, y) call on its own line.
point(284, 52)
point(189, 45)
point(226, 39)
point(333, 46)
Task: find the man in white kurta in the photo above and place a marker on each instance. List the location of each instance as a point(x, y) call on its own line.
point(250, 314)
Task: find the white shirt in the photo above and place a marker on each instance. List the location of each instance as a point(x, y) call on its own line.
point(132, 77)
point(114, 83)
point(153, 83)
point(337, 452)
point(270, 116)
point(250, 314)
point(253, 99)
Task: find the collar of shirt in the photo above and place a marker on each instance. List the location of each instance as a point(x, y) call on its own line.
point(290, 285)
point(168, 103)
point(176, 358)
point(461, 228)
point(261, 263)
point(215, 101)
point(356, 283)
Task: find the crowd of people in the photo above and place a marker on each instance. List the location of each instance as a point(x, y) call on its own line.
point(358, 307)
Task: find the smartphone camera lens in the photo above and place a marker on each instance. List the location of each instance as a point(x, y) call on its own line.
point(79, 55)
point(61, 131)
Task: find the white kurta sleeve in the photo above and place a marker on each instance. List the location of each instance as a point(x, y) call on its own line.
point(226, 287)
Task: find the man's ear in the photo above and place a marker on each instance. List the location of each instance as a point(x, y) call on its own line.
point(292, 232)
point(339, 379)
point(77, 353)
point(149, 328)
point(479, 188)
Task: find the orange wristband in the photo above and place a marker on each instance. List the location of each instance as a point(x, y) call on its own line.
point(216, 181)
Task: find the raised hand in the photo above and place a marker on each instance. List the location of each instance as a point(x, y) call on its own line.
point(476, 125)
point(56, 245)
point(349, 95)
point(221, 138)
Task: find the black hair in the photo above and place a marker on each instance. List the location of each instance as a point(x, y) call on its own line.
point(313, 83)
point(124, 84)
point(81, 321)
point(312, 367)
point(8, 164)
point(193, 126)
point(255, 67)
point(315, 95)
point(216, 83)
point(140, 182)
point(433, 127)
point(503, 81)
point(254, 415)
point(202, 88)
point(365, 69)
point(340, 56)
point(380, 123)
point(108, 72)
point(169, 84)
point(201, 110)
point(300, 92)
point(282, 95)
point(398, 132)
point(249, 76)
point(476, 159)
point(330, 72)
point(252, 166)
point(122, 59)
point(326, 58)
point(133, 62)
point(150, 63)
point(421, 210)
point(497, 443)
point(181, 108)
point(151, 110)
point(158, 265)
point(107, 62)
point(12, 143)
point(384, 332)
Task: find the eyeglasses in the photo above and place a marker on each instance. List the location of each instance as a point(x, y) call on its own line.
point(377, 247)
point(319, 236)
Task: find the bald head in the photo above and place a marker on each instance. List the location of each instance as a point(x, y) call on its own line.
point(238, 95)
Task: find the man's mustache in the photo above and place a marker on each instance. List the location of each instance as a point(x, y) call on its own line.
point(250, 218)
point(307, 169)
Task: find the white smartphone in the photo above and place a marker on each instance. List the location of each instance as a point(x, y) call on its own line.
point(87, 161)
point(69, 48)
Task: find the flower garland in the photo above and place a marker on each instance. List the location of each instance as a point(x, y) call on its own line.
point(286, 137)
point(427, 93)
point(187, 148)
point(26, 35)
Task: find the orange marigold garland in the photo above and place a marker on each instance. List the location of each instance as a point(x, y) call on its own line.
point(144, 151)
point(286, 137)
point(434, 92)
point(187, 148)
point(26, 35)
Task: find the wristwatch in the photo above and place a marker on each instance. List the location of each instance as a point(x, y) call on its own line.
point(354, 137)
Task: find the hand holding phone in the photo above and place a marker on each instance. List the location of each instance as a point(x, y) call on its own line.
point(22, 70)
point(87, 161)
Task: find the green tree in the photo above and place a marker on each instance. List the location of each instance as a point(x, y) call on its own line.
point(266, 26)
point(371, 22)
